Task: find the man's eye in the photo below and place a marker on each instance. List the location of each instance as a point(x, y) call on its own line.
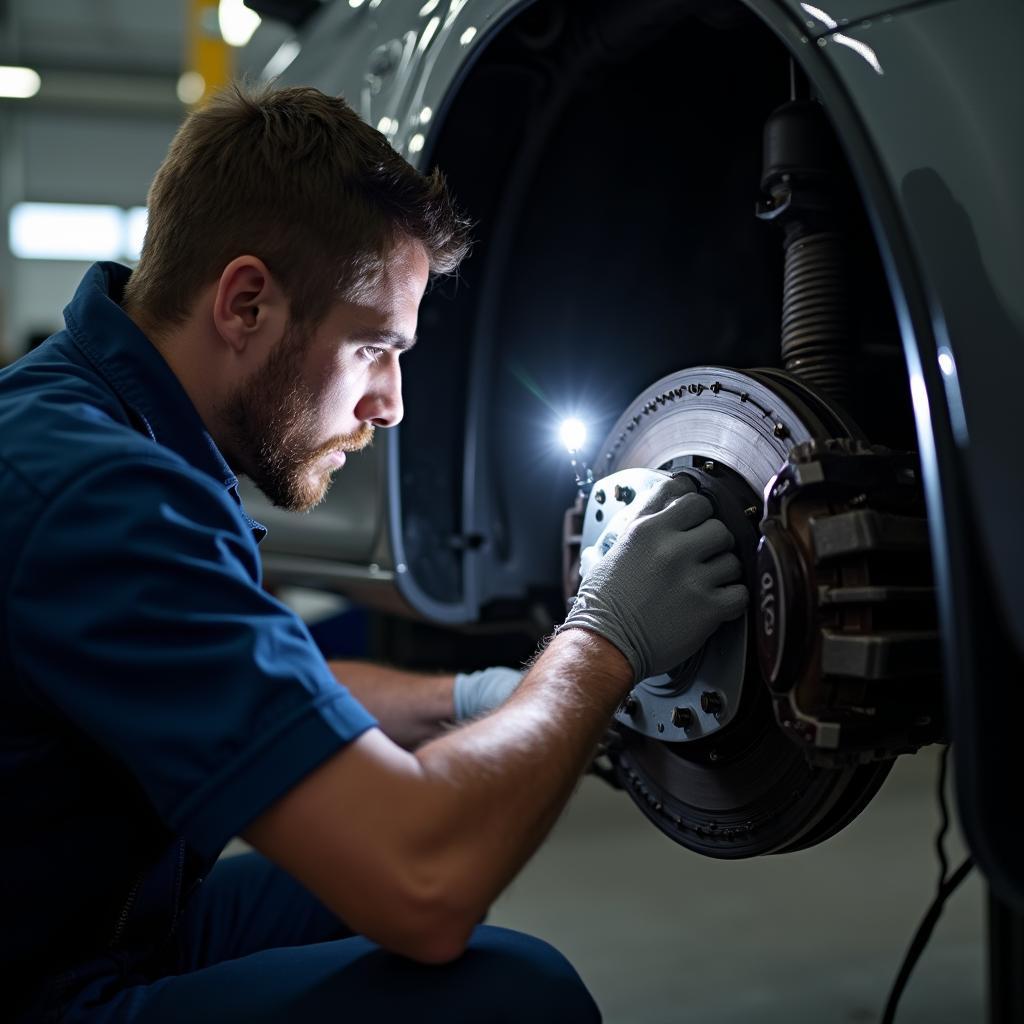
point(372, 352)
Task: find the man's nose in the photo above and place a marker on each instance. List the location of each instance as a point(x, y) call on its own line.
point(381, 404)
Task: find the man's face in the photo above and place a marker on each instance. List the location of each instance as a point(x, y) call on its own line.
point(321, 391)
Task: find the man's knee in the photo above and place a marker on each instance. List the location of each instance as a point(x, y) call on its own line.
point(525, 978)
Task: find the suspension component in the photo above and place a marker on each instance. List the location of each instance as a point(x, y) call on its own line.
point(798, 186)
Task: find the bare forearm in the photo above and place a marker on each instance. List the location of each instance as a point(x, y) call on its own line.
point(411, 707)
point(433, 837)
point(501, 782)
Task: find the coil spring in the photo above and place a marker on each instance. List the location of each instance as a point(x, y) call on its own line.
point(815, 332)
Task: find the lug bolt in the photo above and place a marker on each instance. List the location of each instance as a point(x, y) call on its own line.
point(630, 704)
point(624, 494)
point(781, 430)
point(599, 497)
point(709, 467)
point(711, 702)
point(682, 718)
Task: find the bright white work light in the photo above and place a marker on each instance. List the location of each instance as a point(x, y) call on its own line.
point(573, 433)
point(237, 22)
point(18, 83)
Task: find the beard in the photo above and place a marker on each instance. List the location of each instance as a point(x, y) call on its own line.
point(271, 425)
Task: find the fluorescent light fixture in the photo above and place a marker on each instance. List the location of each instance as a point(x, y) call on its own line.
point(135, 232)
point(282, 59)
point(237, 22)
point(66, 231)
point(573, 433)
point(416, 143)
point(468, 36)
point(18, 83)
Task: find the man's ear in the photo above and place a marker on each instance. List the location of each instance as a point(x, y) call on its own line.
point(249, 306)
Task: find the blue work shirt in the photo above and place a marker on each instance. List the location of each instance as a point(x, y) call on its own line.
point(153, 698)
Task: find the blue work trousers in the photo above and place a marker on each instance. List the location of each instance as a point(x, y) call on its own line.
point(256, 947)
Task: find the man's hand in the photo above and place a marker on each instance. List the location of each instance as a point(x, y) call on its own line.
point(412, 707)
point(478, 693)
point(665, 583)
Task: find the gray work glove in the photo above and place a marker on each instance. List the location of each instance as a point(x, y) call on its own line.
point(477, 693)
point(659, 588)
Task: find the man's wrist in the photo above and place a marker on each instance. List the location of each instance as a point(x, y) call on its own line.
point(607, 668)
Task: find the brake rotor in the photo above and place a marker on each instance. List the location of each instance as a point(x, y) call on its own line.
point(700, 751)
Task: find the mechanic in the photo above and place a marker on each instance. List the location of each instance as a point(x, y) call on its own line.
point(155, 701)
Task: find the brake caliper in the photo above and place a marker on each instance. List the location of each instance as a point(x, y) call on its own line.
point(846, 619)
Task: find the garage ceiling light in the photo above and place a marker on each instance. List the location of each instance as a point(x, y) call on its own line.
point(18, 83)
point(135, 232)
point(237, 22)
point(66, 231)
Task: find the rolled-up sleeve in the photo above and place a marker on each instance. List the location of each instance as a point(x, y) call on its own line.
point(136, 611)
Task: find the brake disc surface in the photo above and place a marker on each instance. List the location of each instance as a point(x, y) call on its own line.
point(701, 753)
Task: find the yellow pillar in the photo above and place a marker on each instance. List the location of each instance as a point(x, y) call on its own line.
point(206, 53)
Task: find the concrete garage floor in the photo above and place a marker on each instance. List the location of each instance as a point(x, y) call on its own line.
point(664, 936)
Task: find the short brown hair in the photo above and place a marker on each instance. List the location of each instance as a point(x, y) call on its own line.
point(294, 177)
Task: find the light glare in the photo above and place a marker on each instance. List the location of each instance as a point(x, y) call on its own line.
point(191, 86)
point(135, 232)
point(282, 59)
point(66, 231)
point(18, 83)
point(428, 34)
point(237, 22)
point(573, 433)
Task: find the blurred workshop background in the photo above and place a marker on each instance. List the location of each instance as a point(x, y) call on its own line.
point(91, 92)
point(90, 96)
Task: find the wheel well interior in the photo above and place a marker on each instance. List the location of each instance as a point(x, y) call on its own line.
point(610, 157)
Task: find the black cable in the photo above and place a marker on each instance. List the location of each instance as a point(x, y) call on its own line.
point(946, 887)
point(940, 838)
point(921, 937)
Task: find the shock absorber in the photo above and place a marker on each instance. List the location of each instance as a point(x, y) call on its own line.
point(798, 186)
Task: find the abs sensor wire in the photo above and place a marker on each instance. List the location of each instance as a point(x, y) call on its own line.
point(947, 885)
